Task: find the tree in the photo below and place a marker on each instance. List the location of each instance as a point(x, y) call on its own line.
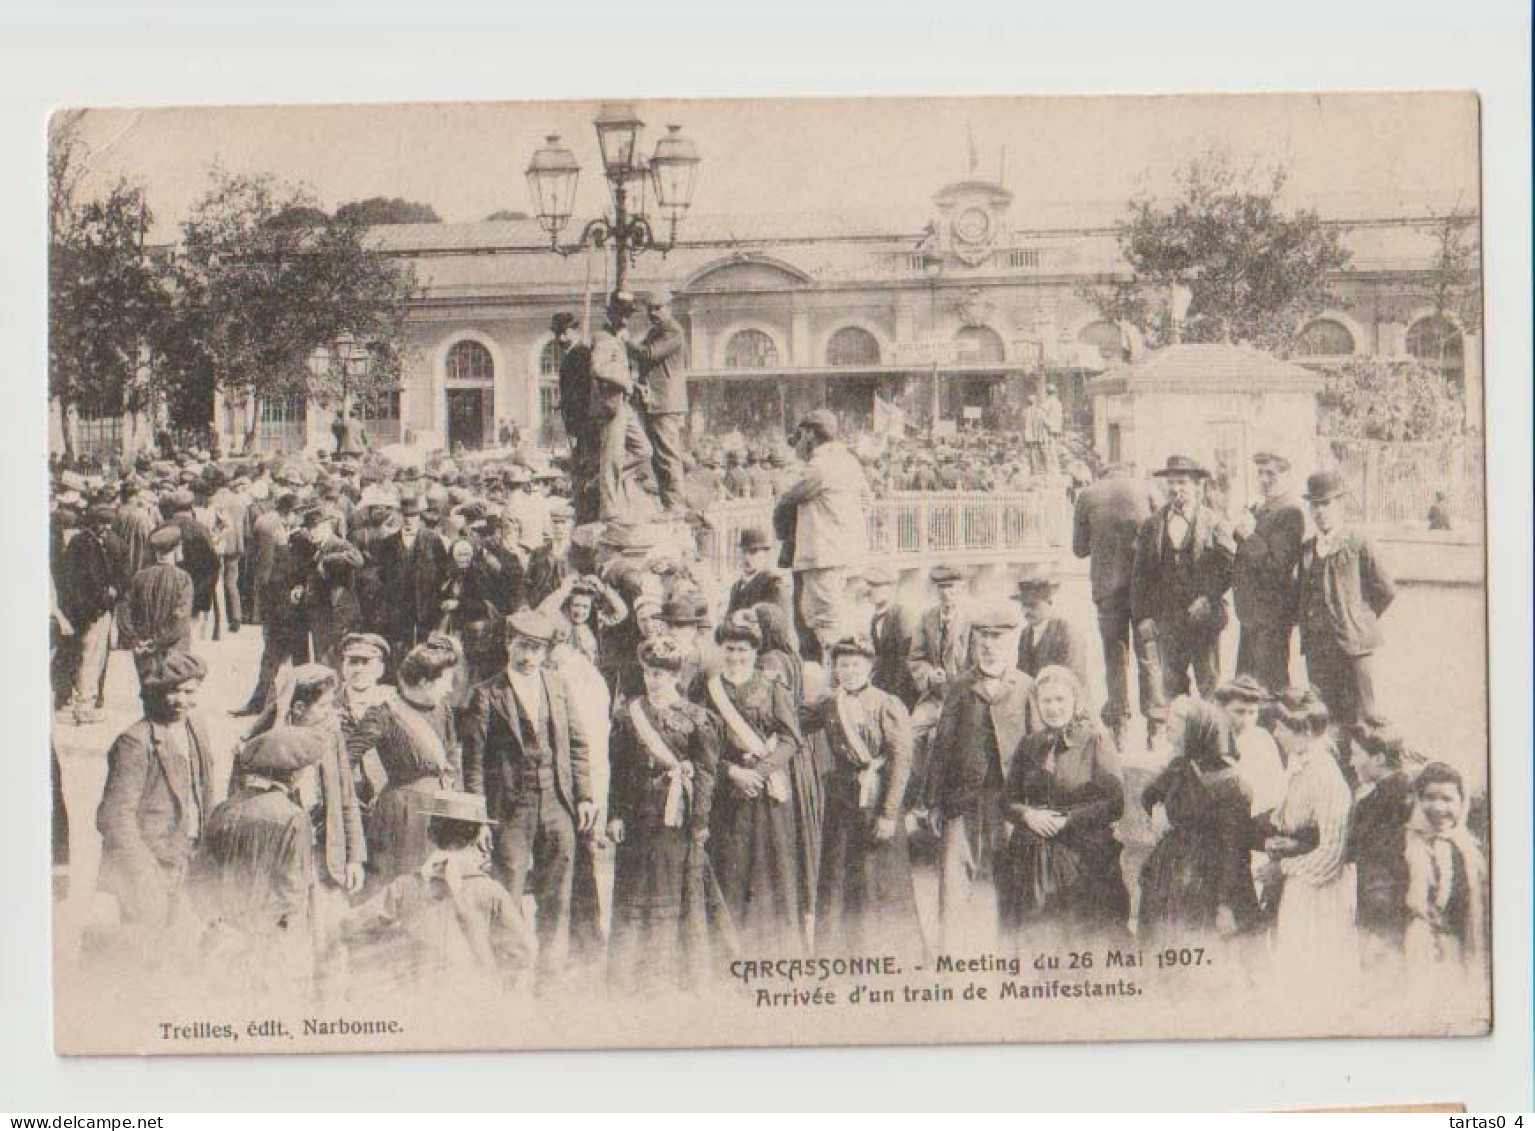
point(265, 308)
point(1378, 398)
point(506, 214)
point(106, 296)
point(1455, 279)
point(387, 210)
point(1253, 271)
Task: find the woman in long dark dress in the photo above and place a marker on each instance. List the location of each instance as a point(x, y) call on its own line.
point(866, 901)
point(1061, 877)
point(780, 658)
point(753, 842)
point(413, 735)
point(1198, 878)
point(665, 754)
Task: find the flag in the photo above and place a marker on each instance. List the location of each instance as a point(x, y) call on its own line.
point(889, 420)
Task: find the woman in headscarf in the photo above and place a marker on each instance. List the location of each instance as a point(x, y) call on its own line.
point(753, 841)
point(1446, 879)
point(469, 616)
point(665, 757)
point(1061, 876)
point(417, 746)
point(1198, 879)
point(780, 658)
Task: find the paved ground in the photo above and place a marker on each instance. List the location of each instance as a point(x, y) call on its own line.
point(1432, 683)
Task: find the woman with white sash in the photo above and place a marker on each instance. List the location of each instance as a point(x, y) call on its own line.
point(866, 898)
point(665, 754)
point(752, 842)
point(414, 737)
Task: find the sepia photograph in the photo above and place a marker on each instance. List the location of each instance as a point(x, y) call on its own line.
point(816, 571)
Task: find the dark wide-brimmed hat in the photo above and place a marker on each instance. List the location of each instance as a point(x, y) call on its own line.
point(685, 607)
point(561, 322)
point(1324, 485)
point(1182, 465)
point(1036, 581)
point(755, 538)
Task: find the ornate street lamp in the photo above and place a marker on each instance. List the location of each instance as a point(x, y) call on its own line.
point(672, 172)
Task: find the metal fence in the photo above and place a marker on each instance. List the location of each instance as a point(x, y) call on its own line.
point(1395, 482)
point(909, 527)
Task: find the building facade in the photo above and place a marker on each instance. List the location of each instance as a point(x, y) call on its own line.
point(957, 321)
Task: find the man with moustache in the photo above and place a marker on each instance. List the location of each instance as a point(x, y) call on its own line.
point(1264, 581)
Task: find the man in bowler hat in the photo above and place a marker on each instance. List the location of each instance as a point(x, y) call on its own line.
point(1344, 590)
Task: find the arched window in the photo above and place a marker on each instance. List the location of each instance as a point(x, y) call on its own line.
point(1108, 338)
point(549, 359)
point(1437, 343)
point(852, 345)
point(750, 349)
point(980, 345)
point(470, 361)
point(1325, 337)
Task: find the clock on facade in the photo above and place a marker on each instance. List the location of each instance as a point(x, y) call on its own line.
point(972, 225)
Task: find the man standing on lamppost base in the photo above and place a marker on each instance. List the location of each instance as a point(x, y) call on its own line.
point(624, 451)
point(663, 393)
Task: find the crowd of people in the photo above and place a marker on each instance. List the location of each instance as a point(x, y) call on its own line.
point(507, 727)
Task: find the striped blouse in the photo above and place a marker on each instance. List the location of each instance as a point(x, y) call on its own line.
point(1316, 796)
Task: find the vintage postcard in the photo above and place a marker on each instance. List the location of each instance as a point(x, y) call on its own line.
point(672, 574)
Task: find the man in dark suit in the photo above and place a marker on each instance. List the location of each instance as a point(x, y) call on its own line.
point(412, 565)
point(87, 593)
point(663, 382)
point(1182, 570)
point(890, 630)
point(759, 582)
point(1263, 576)
point(1109, 515)
point(1047, 639)
point(940, 646)
point(527, 753)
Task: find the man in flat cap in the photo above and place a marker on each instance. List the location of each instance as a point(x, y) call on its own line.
point(890, 631)
point(1263, 575)
point(827, 511)
point(663, 393)
point(1182, 571)
point(988, 709)
point(940, 645)
point(159, 607)
point(1345, 588)
point(527, 752)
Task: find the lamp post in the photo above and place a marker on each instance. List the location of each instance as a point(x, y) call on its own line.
point(671, 172)
point(932, 267)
